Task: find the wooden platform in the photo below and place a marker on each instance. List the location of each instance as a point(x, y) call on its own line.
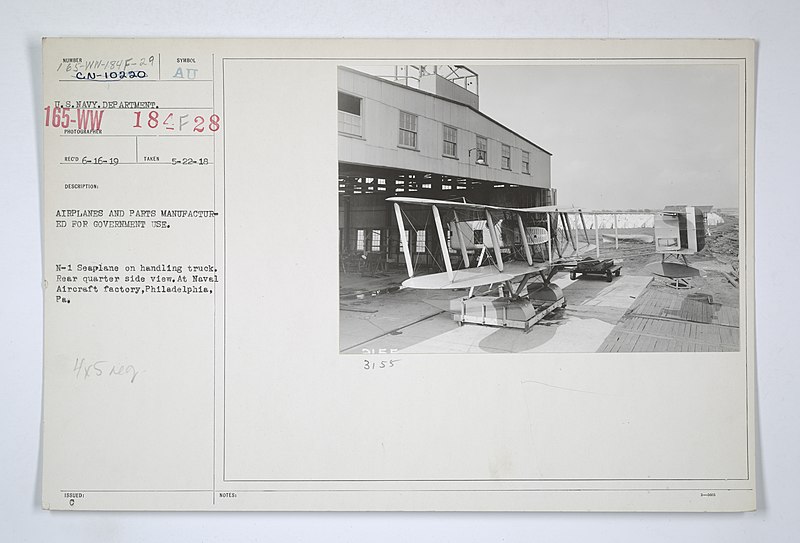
point(663, 319)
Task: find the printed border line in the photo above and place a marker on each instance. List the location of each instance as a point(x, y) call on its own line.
point(216, 293)
point(742, 186)
point(306, 490)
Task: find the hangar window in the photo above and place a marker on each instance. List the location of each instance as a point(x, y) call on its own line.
point(482, 155)
point(505, 161)
point(408, 130)
point(526, 162)
point(419, 246)
point(360, 235)
point(376, 241)
point(450, 142)
point(349, 114)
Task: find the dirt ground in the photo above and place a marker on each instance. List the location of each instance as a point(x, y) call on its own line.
point(718, 261)
point(722, 247)
point(723, 243)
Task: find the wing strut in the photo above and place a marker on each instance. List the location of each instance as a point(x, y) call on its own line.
point(524, 238)
point(522, 284)
point(478, 265)
point(495, 242)
point(404, 240)
point(464, 253)
point(560, 217)
point(443, 242)
point(583, 222)
point(575, 241)
point(596, 236)
point(568, 231)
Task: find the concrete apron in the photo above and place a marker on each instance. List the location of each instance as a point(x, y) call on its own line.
point(579, 328)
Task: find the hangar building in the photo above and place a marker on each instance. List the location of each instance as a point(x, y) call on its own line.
point(418, 132)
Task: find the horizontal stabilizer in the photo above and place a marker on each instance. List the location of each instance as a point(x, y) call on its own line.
point(672, 270)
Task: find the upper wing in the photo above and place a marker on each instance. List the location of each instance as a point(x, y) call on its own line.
point(440, 203)
point(478, 207)
point(668, 210)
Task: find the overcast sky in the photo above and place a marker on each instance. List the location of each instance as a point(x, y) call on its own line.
point(625, 136)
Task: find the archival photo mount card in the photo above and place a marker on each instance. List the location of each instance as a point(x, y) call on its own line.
point(462, 275)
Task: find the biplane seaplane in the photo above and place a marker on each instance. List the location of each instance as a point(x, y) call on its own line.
point(522, 249)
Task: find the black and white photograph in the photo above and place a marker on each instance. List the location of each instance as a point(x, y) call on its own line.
point(561, 206)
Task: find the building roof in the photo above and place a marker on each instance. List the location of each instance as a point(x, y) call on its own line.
point(412, 89)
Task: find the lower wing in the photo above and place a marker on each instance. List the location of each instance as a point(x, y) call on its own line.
point(475, 277)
